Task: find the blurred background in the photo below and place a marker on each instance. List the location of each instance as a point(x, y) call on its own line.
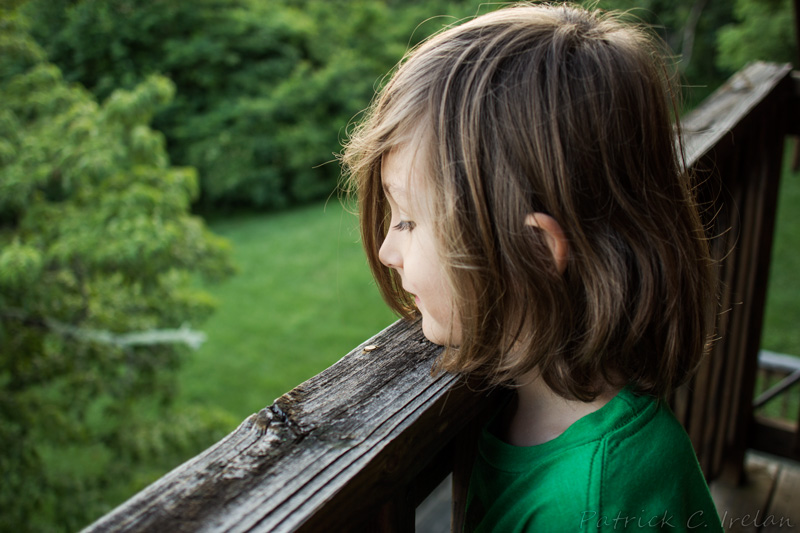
point(173, 251)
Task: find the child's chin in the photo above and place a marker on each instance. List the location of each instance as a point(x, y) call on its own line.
point(438, 336)
point(435, 340)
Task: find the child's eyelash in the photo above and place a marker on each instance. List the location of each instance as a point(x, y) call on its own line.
point(405, 225)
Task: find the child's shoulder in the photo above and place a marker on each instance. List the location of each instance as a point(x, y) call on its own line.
point(634, 421)
point(646, 475)
point(646, 442)
point(629, 460)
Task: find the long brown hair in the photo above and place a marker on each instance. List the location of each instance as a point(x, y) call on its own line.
point(568, 112)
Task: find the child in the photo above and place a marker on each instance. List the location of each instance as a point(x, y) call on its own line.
point(521, 190)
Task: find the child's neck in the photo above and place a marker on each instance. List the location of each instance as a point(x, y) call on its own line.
point(539, 415)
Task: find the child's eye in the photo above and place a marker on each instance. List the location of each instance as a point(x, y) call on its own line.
point(405, 225)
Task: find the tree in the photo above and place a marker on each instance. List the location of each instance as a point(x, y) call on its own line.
point(98, 252)
point(689, 28)
point(764, 30)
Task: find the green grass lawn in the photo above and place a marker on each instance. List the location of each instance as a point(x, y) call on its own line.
point(782, 317)
point(303, 298)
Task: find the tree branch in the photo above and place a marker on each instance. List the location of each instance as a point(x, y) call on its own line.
point(689, 31)
point(184, 335)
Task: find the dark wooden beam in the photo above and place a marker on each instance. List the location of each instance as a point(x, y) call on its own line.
point(775, 437)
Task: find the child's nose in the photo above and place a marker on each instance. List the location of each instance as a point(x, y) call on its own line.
point(389, 253)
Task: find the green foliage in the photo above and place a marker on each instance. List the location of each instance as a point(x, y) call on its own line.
point(96, 240)
point(263, 88)
point(764, 29)
point(689, 29)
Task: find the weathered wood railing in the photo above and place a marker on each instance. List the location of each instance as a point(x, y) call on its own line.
point(358, 446)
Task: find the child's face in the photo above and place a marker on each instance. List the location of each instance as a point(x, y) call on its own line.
point(411, 248)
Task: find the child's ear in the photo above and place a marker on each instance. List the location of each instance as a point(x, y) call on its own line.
point(556, 239)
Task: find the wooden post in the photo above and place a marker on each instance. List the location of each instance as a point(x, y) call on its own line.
point(734, 142)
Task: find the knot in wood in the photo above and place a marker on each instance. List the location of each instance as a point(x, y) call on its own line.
point(263, 419)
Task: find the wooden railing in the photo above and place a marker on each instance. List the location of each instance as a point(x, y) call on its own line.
point(780, 377)
point(360, 445)
point(780, 384)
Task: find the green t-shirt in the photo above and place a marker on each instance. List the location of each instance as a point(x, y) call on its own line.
point(629, 466)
